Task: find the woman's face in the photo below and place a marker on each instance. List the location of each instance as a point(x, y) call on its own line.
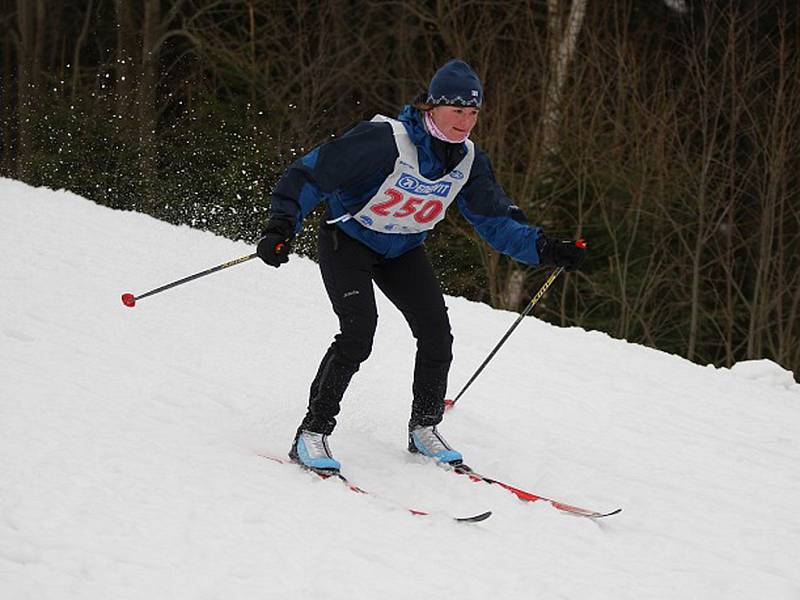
point(455, 122)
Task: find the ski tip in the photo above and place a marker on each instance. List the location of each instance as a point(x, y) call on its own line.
point(599, 515)
point(476, 518)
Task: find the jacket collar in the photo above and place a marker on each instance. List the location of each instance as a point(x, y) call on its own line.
point(412, 119)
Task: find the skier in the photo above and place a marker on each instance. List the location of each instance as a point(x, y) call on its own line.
point(386, 183)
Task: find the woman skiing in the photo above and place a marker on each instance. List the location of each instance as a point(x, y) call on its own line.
point(386, 183)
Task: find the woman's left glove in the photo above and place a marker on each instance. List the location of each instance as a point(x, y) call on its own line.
point(273, 248)
point(569, 254)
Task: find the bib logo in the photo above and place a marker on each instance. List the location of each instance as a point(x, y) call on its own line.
point(409, 183)
point(456, 174)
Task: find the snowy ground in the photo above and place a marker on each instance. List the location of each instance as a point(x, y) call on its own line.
point(129, 441)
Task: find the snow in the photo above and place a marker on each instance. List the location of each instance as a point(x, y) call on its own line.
point(766, 371)
point(130, 440)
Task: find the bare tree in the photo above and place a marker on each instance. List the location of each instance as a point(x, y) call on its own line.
point(143, 27)
point(7, 92)
point(563, 31)
point(29, 38)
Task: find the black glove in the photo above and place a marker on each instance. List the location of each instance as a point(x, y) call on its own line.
point(569, 254)
point(273, 248)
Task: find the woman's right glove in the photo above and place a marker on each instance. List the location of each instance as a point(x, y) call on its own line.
point(569, 254)
point(273, 248)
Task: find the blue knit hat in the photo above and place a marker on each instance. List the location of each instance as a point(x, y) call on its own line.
point(455, 84)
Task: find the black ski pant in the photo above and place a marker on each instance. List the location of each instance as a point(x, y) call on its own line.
point(348, 269)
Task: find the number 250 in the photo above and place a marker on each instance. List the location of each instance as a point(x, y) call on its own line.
point(424, 214)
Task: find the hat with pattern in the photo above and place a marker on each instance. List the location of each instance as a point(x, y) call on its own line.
point(455, 84)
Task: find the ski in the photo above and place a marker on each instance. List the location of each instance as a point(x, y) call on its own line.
point(327, 474)
point(474, 476)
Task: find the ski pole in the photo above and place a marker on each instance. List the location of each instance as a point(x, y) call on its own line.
point(129, 299)
point(545, 286)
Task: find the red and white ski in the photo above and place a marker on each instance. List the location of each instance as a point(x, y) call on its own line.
point(476, 477)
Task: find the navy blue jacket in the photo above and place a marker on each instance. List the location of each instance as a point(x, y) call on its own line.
point(347, 171)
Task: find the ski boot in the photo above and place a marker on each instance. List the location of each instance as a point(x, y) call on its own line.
point(310, 450)
point(429, 442)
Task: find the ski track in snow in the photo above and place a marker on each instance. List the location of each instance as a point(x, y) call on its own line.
point(129, 440)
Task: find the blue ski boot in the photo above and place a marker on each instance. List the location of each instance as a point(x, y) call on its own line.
point(310, 449)
point(428, 441)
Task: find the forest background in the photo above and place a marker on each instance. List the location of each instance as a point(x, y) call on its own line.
point(667, 133)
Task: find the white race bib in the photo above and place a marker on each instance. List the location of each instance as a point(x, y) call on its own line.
point(407, 202)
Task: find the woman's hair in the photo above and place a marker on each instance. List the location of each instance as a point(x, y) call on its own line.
point(420, 102)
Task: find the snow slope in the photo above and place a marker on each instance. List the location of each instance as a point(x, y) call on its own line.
point(129, 440)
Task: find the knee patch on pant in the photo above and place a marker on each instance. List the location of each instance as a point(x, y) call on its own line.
point(354, 342)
